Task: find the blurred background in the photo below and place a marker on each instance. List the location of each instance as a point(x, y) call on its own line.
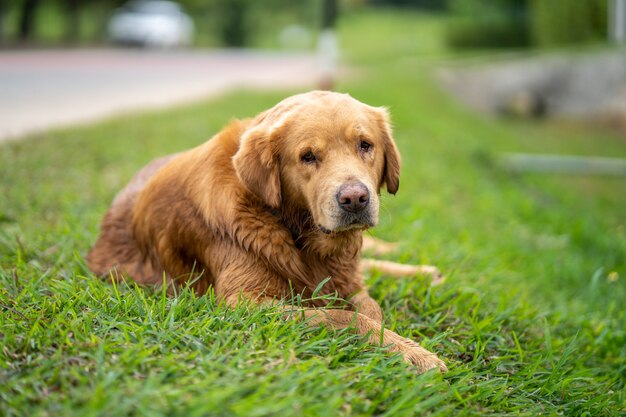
point(283, 23)
point(538, 58)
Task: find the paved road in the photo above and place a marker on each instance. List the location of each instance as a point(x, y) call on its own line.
point(40, 90)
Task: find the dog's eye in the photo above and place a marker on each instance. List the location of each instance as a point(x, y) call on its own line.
point(308, 157)
point(365, 146)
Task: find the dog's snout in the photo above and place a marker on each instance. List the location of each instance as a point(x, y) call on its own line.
point(353, 197)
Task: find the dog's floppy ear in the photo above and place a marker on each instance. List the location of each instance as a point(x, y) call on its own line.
point(391, 172)
point(256, 164)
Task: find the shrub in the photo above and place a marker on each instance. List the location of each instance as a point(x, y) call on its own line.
point(510, 23)
point(501, 23)
point(566, 22)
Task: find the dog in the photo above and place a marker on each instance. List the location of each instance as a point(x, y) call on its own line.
point(269, 206)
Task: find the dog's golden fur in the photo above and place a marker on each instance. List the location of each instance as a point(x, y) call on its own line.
point(268, 206)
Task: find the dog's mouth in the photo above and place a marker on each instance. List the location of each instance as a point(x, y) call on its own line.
point(349, 222)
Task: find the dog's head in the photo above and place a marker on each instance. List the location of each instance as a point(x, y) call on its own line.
point(322, 152)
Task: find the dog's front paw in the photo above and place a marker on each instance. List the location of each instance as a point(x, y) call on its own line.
point(421, 358)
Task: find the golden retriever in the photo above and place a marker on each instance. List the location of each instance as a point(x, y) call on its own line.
point(268, 207)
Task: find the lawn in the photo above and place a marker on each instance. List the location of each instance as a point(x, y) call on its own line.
point(531, 319)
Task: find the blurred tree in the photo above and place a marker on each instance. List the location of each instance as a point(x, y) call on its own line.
point(72, 10)
point(568, 21)
point(420, 4)
point(329, 14)
point(74, 20)
point(235, 27)
point(238, 23)
point(28, 14)
point(3, 12)
point(496, 23)
point(507, 23)
point(218, 22)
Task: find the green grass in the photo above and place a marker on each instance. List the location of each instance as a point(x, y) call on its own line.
point(530, 321)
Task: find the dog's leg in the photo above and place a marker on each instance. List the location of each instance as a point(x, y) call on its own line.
point(411, 352)
point(363, 325)
point(367, 306)
point(241, 277)
point(400, 270)
point(379, 247)
point(257, 231)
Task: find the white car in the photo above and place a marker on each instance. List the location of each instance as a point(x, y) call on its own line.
point(151, 23)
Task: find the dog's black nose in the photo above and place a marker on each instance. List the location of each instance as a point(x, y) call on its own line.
point(353, 197)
